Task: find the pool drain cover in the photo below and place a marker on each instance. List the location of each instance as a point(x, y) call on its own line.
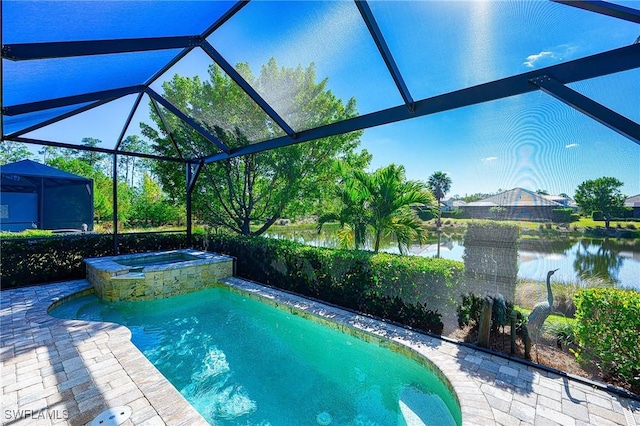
point(113, 416)
point(324, 419)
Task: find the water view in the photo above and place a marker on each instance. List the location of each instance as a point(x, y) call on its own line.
point(585, 261)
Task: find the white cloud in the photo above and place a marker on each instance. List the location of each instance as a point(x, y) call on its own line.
point(533, 59)
point(485, 159)
point(572, 145)
point(561, 52)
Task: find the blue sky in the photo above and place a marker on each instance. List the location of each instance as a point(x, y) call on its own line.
point(532, 141)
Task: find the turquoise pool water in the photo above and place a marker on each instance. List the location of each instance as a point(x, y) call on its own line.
point(242, 362)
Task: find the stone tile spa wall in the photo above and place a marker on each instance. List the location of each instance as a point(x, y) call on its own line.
point(176, 272)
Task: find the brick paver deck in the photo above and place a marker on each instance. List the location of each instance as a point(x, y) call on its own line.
point(58, 371)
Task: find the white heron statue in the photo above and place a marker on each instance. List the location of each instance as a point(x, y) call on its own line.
point(542, 310)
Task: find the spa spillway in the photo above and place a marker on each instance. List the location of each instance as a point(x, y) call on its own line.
point(146, 276)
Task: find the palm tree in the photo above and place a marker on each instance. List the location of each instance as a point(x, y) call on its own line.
point(353, 215)
point(391, 199)
point(440, 184)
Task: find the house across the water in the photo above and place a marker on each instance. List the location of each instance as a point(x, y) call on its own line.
point(517, 204)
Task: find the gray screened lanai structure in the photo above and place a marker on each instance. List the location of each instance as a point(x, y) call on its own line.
point(38, 196)
point(63, 59)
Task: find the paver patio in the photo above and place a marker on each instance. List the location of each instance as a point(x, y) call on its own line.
point(57, 371)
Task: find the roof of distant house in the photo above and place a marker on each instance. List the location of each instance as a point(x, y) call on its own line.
point(632, 201)
point(481, 203)
point(517, 197)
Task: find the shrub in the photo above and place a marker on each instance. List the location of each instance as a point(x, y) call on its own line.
point(470, 310)
point(607, 328)
point(426, 214)
point(561, 215)
point(563, 331)
point(453, 214)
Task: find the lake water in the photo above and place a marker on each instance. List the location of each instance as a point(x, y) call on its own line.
point(586, 260)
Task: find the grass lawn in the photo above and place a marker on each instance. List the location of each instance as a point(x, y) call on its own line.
point(553, 319)
point(584, 222)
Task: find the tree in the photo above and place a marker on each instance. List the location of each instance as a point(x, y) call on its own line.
point(382, 201)
point(257, 188)
point(49, 152)
point(150, 206)
point(440, 184)
point(352, 213)
point(128, 165)
point(92, 158)
point(600, 195)
point(10, 152)
point(391, 200)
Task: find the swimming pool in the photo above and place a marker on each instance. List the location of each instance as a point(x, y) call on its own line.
point(240, 361)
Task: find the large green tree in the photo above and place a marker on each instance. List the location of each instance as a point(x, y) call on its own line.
point(440, 184)
point(257, 188)
point(600, 195)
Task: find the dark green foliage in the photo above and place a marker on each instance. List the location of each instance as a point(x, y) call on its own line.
point(427, 214)
point(40, 260)
point(405, 289)
point(607, 330)
point(454, 214)
point(470, 310)
point(414, 315)
point(561, 215)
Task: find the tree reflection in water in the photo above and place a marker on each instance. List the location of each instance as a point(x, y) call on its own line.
point(603, 264)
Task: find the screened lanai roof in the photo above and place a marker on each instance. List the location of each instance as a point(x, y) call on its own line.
point(100, 62)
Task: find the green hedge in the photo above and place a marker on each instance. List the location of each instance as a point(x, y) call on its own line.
point(406, 289)
point(607, 329)
point(400, 288)
point(27, 261)
point(454, 214)
point(563, 215)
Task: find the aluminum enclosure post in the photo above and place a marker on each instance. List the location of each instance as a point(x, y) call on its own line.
point(189, 189)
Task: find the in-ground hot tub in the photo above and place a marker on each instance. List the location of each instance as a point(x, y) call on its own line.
point(145, 276)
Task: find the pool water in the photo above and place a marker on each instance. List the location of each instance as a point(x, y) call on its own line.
point(157, 260)
point(242, 362)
